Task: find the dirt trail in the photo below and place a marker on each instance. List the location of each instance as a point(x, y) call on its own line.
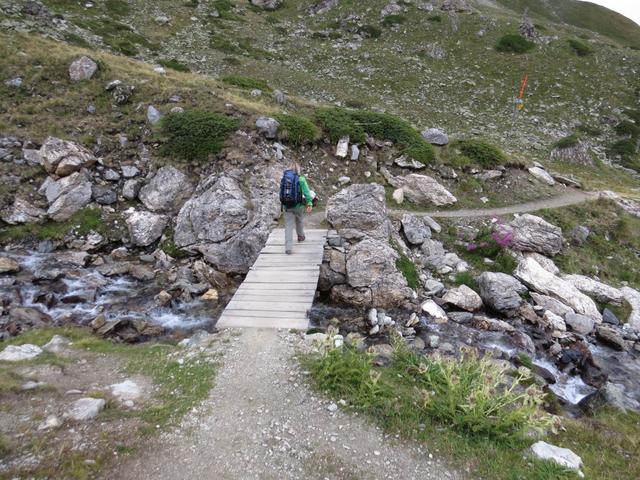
point(262, 421)
point(572, 197)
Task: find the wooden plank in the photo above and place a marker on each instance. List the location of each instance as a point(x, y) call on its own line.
point(267, 306)
point(264, 297)
point(264, 314)
point(278, 287)
point(254, 322)
point(262, 276)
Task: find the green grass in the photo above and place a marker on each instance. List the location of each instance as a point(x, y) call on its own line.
point(392, 20)
point(371, 31)
point(610, 250)
point(468, 279)
point(580, 48)
point(195, 135)
point(461, 409)
point(174, 65)
point(567, 142)
point(246, 83)
point(296, 130)
point(627, 128)
point(407, 268)
point(514, 43)
point(481, 153)
point(81, 222)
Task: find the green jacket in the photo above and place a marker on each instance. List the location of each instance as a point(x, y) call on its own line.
point(306, 192)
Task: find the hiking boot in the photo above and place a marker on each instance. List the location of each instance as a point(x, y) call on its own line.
point(301, 238)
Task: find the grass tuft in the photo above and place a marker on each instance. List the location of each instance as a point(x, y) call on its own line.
point(482, 153)
point(514, 43)
point(297, 130)
point(580, 48)
point(246, 83)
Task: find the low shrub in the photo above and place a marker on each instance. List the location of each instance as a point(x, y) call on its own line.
point(195, 134)
point(626, 127)
point(580, 48)
point(514, 43)
point(297, 130)
point(481, 153)
point(624, 148)
point(589, 130)
point(633, 114)
point(174, 65)
point(391, 20)
point(370, 31)
point(567, 142)
point(435, 18)
point(468, 279)
point(340, 122)
point(246, 83)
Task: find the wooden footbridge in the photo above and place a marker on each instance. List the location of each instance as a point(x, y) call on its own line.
point(279, 288)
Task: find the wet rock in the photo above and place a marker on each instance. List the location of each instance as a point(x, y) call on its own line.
point(22, 211)
point(482, 322)
point(211, 296)
point(166, 191)
point(434, 311)
point(611, 336)
point(145, 227)
point(422, 189)
point(415, 230)
point(63, 158)
point(85, 409)
point(142, 273)
point(562, 456)
point(580, 323)
point(534, 234)
point(596, 290)
point(551, 304)
point(500, 291)
point(435, 136)
point(28, 316)
point(537, 278)
point(84, 296)
point(358, 211)
point(104, 194)
point(463, 297)
point(19, 353)
point(268, 127)
point(554, 322)
point(347, 295)
point(9, 265)
point(82, 68)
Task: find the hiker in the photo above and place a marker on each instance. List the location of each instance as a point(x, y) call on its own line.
point(296, 199)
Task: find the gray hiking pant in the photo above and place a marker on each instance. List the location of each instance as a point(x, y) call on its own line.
point(293, 215)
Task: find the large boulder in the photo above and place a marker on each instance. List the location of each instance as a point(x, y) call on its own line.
point(228, 226)
point(167, 191)
point(596, 290)
point(542, 175)
point(22, 211)
point(500, 291)
point(368, 260)
point(580, 323)
point(358, 211)
point(534, 234)
point(463, 297)
point(415, 229)
point(145, 227)
point(422, 189)
point(67, 195)
point(435, 136)
point(267, 126)
point(82, 68)
point(537, 278)
point(551, 304)
point(63, 158)
point(633, 298)
point(267, 4)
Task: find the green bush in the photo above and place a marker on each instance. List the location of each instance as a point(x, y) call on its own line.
point(370, 31)
point(435, 18)
point(246, 83)
point(633, 114)
point(589, 130)
point(623, 148)
point(468, 279)
point(626, 127)
point(340, 122)
point(297, 130)
point(514, 43)
point(567, 142)
point(174, 65)
point(391, 20)
point(580, 48)
point(195, 134)
point(408, 270)
point(481, 153)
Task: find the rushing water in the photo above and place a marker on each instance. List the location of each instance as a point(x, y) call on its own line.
point(84, 293)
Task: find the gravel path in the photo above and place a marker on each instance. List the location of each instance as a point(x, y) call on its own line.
point(571, 197)
point(262, 421)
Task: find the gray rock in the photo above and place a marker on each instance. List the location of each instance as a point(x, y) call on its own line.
point(130, 171)
point(598, 291)
point(268, 127)
point(500, 291)
point(551, 304)
point(342, 149)
point(579, 234)
point(368, 260)
point(167, 191)
point(436, 52)
point(611, 336)
point(22, 211)
point(267, 4)
point(111, 175)
point(580, 323)
point(422, 189)
point(562, 456)
point(633, 298)
point(104, 194)
point(82, 68)
point(131, 188)
point(355, 152)
point(15, 353)
point(578, 154)
point(545, 262)
point(609, 317)
point(435, 136)
point(534, 234)
point(432, 224)
point(410, 163)
point(537, 278)
point(358, 211)
point(9, 265)
point(615, 396)
point(85, 409)
point(63, 158)
point(481, 322)
point(145, 227)
point(15, 82)
point(455, 6)
point(126, 391)
point(279, 97)
point(153, 115)
point(554, 321)
point(414, 229)
point(391, 9)
point(57, 344)
point(463, 297)
point(542, 175)
point(31, 156)
point(68, 195)
point(434, 311)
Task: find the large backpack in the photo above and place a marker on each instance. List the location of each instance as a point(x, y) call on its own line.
point(290, 192)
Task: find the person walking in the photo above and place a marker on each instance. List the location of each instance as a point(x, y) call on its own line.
point(296, 199)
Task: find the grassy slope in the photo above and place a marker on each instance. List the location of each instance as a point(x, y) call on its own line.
point(584, 15)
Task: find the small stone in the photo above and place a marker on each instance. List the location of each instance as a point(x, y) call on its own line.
point(343, 147)
point(14, 353)
point(210, 295)
point(9, 265)
point(51, 422)
point(153, 115)
point(82, 69)
point(85, 409)
point(126, 391)
point(561, 456)
point(332, 407)
point(57, 344)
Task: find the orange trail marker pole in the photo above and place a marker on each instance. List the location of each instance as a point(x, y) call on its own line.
point(519, 101)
